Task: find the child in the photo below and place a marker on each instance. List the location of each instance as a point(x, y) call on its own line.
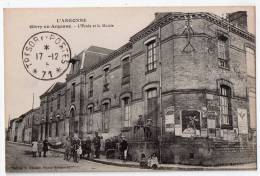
point(153, 161)
point(143, 161)
point(34, 148)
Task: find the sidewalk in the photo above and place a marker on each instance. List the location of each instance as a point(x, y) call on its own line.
point(118, 162)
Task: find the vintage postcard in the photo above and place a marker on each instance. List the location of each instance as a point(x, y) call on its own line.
point(130, 88)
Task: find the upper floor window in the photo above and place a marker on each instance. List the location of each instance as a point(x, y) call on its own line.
point(106, 83)
point(225, 105)
point(151, 55)
point(105, 117)
point(125, 71)
point(51, 105)
point(58, 101)
point(65, 97)
point(90, 92)
point(250, 62)
point(73, 92)
point(223, 51)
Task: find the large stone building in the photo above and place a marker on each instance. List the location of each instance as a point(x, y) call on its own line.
point(191, 76)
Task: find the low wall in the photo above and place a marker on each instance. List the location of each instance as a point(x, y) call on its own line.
point(207, 152)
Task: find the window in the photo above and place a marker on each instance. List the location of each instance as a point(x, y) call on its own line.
point(152, 104)
point(90, 119)
point(105, 117)
point(106, 84)
point(65, 97)
point(50, 129)
point(58, 101)
point(126, 111)
point(42, 106)
point(250, 62)
point(125, 71)
point(225, 105)
point(51, 107)
point(90, 92)
point(252, 108)
point(57, 129)
point(73, 92)
point(223, 52)
point(151, 55)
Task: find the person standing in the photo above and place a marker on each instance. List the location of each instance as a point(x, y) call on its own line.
point(124, 148)
point(67, 148)
point(40, 148)
point(76, 146)
point(88, 147)
point(45, 147)
point(34, 148)
point(97, 144)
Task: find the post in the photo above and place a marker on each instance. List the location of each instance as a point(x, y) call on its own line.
point(160, 93)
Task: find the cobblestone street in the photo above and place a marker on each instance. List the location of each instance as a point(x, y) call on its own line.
point(19, 159)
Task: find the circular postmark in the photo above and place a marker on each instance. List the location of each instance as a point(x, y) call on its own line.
point(46, 55)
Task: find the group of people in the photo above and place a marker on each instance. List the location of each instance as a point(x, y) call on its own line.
point(77, 149)
point(40, 147)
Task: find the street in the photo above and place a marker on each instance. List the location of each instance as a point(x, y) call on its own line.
point(19, 159)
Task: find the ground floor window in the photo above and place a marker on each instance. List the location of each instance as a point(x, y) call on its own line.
point(105, 117)
point(225, 105)
point(126, 111)
point(89, 119)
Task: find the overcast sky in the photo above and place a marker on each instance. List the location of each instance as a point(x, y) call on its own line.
point(20, 86)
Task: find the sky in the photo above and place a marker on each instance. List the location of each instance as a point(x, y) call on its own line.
point(20, 85)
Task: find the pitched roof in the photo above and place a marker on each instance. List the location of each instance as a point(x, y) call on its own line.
point(94, 55)
point(56, 86)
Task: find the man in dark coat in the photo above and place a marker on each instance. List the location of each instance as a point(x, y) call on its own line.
point(45, 147)
point(97, 144)
point(123, 148)
point(88, 147)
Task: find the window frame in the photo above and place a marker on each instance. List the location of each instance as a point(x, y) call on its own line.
point(226, 119)
point(105, 116)
point(91, 86)
point(128, 108)
point(223, 47)
point(151, 55)
point(90, 118)
point(106, 71)
point(73, 92)
point(125, 76)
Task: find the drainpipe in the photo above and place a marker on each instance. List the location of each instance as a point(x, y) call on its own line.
point(160, 88)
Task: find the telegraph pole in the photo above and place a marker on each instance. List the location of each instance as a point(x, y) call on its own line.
point(160, 91)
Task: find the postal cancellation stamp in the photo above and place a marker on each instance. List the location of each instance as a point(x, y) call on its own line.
point(46, 55)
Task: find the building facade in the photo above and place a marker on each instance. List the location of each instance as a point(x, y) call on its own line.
point(190, 78)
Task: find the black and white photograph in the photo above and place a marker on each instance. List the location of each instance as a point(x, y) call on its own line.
point(130, 89)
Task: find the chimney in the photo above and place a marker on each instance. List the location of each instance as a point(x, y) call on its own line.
point(159, 15)
point(239, 19)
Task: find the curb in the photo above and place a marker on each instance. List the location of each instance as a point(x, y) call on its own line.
point(115, 164)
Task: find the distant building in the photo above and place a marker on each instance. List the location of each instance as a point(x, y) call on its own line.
point(191, 76)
